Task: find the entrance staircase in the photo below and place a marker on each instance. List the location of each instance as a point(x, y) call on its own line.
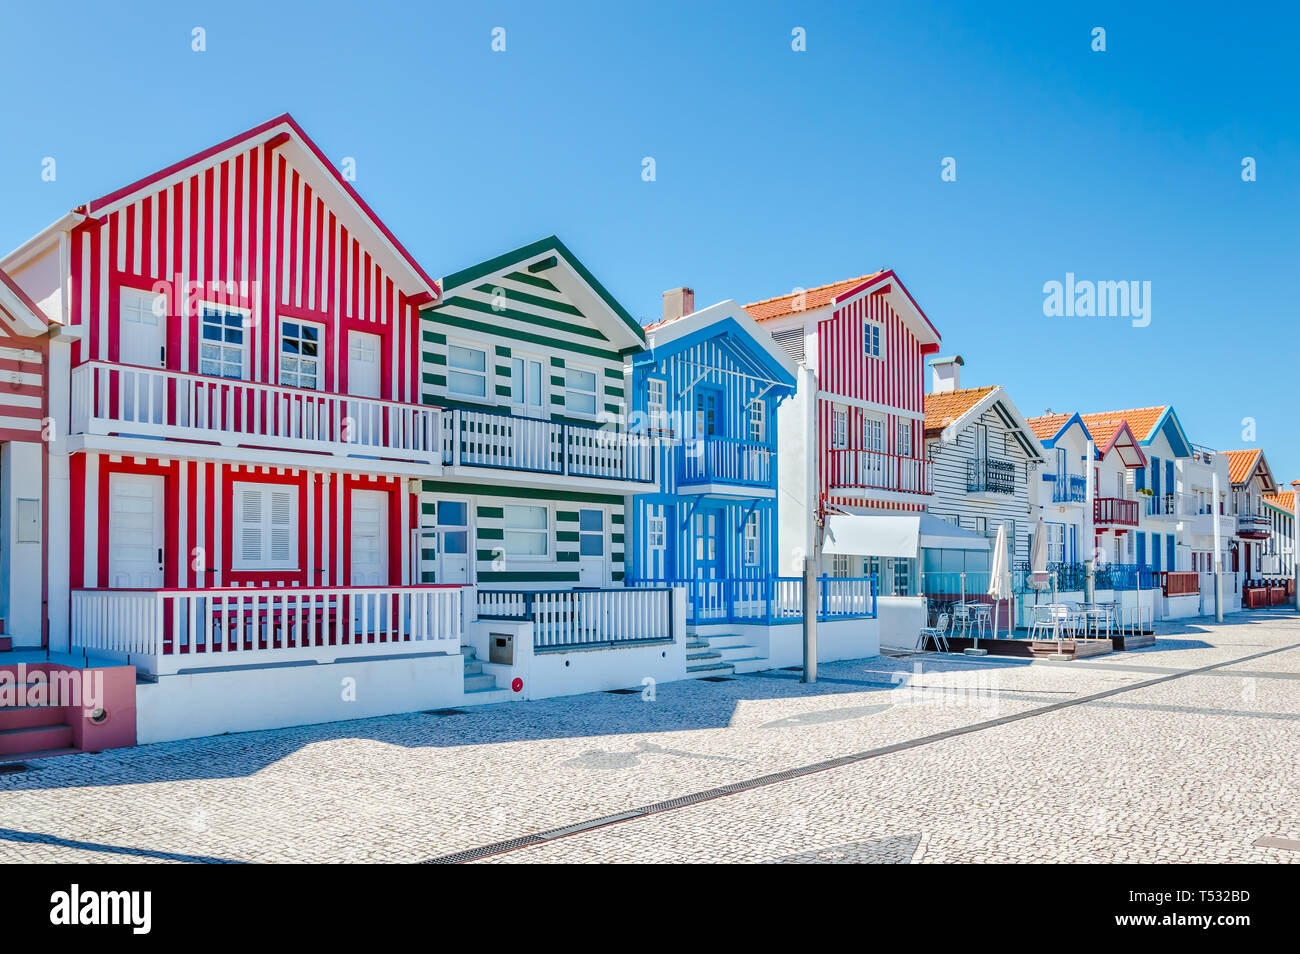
point(481, 687)
point(720, 655)
point(32, 732)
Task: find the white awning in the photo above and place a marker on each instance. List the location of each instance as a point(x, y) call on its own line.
point(939, 534)
point(901, 536)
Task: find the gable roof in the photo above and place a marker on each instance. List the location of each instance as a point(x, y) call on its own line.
point(947, 407)
point(726, 318)
point(549, 261)
point(838, 293)
point(948, 412)
point(1049, 427)
point(1245, 464)
point(1283, 500)
point(806, 300)
point(18, 312)
point(282, 133)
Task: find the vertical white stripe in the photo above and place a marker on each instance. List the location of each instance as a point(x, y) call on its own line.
point(200, 215)
point(217, 525)
point(285, 235)
point(299, 242)
point(230, 223)
point(154, 233)
point(104, 239)
point(137, 236)
point(312, 239)
point(90, 514)
point(83, 316)
point(183, 525)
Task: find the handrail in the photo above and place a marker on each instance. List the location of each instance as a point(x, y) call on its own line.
point(879, 470)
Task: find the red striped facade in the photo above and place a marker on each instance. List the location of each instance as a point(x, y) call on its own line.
point(882, 387)
point(22, 385)
point(245, 228)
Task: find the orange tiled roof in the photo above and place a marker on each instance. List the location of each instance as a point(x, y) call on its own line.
point(1141, 421)
point(945, 407)
point(1241, 464)
point(1283, 500)
point(811, 298)
point(1045, 426)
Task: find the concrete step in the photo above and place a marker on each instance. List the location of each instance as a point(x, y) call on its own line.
point(702, 655)
point(711, 669)
point(750, 664)
point(42, 754)
point(30, 717)
point(486, 697)
point(469, 652)
point(473, 667)
point(738, 651)
point(479, 682)
point(35, 739)
point(697, 644)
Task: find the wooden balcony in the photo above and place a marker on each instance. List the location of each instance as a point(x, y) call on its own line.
point(876, 470)
point(519, 446)
point(117, 400)
point(168, 631)
point(725, 463)
point(1253, 526)
point(1108, 512)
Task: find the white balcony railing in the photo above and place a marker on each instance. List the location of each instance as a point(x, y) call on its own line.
point(878, 470)
point(124, 399)
point(1254, 526)
point(533, 445)
point(564, 619)
point(165, 631)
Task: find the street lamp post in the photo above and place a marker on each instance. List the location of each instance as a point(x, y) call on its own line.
point(1295, 539)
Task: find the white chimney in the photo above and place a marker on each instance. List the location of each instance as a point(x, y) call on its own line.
point(678, 302)
point(946, 373)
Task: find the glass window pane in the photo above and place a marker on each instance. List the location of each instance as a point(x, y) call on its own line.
point(518, 518)
point(582, 403)
point(591, 520)
point(452, 512)
point(591, 544)
point(580, 380)
point(455, 541)
point(525, 543)
point(466, 358)
point(471, 384)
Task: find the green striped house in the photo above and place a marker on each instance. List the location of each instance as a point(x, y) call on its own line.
point(526, 352)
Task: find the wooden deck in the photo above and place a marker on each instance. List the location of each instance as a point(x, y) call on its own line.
point(1036, 648)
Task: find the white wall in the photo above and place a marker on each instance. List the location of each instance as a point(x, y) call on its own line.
point(210, 703)
point(20, 568)
point(796, 474)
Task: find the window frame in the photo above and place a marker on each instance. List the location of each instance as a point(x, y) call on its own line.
point(656, 532)
point(657, 411)
point(245, 315)
point(545, 531)
point(756, 414)
point(543, 381)
point(238, 562)
point(748, 540)
point(873, 339)
point(319, 357)
point(839, 435)
point(452, 370)
point(595, 392)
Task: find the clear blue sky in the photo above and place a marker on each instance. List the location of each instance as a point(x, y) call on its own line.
point(775, 169)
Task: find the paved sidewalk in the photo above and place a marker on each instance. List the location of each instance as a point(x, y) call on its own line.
point(1195, 768)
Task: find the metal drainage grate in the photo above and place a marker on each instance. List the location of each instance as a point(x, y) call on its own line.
point(716, 679)
point(445, 712)
point(12, 768)
point(792, 668)
point(624, 692)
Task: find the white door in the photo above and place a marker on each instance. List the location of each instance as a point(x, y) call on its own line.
point(453, 541)
point(528, 385)
point(363, 364)
point(364, 379)
point(142, 341)
point(593, 547)
point(369, 538)
point(135, 531)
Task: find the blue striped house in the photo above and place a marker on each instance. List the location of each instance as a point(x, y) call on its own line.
point(708, 386)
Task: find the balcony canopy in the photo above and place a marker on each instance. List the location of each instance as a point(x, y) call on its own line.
point(898, 536)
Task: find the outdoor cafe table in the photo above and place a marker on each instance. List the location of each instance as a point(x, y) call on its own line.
point(1095, 615)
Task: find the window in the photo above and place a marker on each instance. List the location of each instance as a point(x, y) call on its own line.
point(526, 383)
point(750, 540)
point(580, 391)
point(840, 427)
point(905, 438)
point(223, 349)
point(757, 422)
point(300, 354)
point(656, 403)
point(591, 533)
point(266, 527)
point(1055, 542)
point(466, 371)
point(453, 526)
point(841, 565)
point(656, 532)
point(525, 531)
point(873, 434)
point(871, 339)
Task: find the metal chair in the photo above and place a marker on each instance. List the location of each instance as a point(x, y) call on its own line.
point(937, 633)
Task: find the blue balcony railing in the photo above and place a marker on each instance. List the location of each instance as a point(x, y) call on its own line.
point(1069, 488)
point(772, 599)
point(725, 460)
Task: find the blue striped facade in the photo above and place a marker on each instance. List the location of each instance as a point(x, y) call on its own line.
point(708, 491)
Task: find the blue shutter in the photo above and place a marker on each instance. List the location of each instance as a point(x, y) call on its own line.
point(1141, 475)
point(1170, 483)
point(1170, 563)
point(1141, 546)
point(1072, 555)
point(1155, 552)
point(1155, 476)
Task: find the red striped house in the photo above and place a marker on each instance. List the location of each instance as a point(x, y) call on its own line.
point(243, 411)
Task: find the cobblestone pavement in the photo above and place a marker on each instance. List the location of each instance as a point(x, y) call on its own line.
point(1194, 768)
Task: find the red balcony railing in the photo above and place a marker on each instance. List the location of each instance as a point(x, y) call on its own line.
point(1115, 512)
point(876, 470)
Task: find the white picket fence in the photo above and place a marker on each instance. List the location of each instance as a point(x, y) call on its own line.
point(112, 398)
point(166, 631)
point(564, 619)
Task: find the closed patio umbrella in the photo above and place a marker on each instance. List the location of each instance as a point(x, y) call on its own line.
point(1000, 576)
point(1038, 560)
